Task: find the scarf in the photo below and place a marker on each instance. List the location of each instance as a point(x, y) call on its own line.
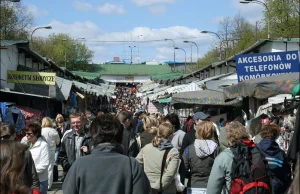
point(165, 144)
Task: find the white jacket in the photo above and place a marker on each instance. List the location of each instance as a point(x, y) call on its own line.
point(51, 136)
point(40, 156)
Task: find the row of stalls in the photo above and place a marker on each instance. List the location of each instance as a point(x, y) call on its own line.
point(222, 96)
point(33, 86)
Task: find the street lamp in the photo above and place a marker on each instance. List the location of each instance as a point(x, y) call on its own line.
point(173, 48)
point(139, 48)
point(79, 39)
point(131, 53)
point(209, 32)
point(43, 27)
point(184, 58)
point(186, 41)
point(263, 4)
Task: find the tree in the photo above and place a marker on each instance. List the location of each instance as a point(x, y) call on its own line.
point(64, 51)
point(15, 21)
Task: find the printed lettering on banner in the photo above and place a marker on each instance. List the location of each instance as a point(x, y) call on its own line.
point(253, 66)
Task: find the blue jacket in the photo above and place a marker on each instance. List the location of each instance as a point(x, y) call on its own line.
point(280, 170)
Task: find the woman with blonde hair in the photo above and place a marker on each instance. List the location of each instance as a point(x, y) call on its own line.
point(161, 160)
point(150, 124)
point(220, 176)
point(52, 138)
point(199, 157)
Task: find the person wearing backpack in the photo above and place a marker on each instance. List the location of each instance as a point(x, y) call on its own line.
point(199, 158)
point(240, 167)
point(279, 168)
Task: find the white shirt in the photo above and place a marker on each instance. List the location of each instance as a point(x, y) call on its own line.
point(40, 156)
point(51, 136)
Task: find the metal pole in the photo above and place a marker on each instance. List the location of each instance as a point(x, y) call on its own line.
point(191, 53)
point(65, 59)
point(173, 49)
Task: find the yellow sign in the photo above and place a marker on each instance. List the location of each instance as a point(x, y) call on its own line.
point(28, 77)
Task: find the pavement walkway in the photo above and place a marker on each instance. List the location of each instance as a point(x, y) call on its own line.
point(57, 186)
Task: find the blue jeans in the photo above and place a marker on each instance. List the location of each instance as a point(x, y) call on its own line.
point(56, 157)
point(44, 187)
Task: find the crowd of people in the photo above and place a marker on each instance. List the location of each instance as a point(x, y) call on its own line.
point(132, 151)
point(144, 153)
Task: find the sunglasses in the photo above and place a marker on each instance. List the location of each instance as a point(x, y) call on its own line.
point(29, 134)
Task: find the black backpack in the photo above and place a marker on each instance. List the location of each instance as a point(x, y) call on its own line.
point(250, 173)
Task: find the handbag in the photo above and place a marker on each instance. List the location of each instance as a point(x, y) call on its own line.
point(162, 169)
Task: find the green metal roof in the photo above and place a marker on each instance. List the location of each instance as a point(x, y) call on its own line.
point(87, 75)
point(125, 69)
point(13, 42)
point(165, 76)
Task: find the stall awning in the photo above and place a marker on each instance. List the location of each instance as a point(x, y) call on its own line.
point(165, 100)
point(204, 97)
point(264, 87)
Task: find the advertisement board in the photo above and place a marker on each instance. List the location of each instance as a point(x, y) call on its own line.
point(28, 77)
point(254, 66)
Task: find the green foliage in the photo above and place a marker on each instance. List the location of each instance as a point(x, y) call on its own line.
point(15, 21)
point(64, 51)
point(238, 34)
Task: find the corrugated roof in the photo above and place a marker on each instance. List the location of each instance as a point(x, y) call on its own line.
point(13, 42)
point(63, 88)
point(132, 69)
point(165, 76)
point(88, 75)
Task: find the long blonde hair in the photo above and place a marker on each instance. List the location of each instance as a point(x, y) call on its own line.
point(164, 131)
point(151, 124)
point(47, 122)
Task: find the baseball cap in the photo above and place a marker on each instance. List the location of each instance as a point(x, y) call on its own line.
point(200, 115)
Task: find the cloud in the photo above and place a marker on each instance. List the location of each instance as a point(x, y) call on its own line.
point(143, 3)
point(82, 6)
point(157, 9)
point(109, 9)
point(151, 45)
point(251, 11)
point(36, 12)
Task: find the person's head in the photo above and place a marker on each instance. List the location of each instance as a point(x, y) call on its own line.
point(240, 120)
point(199, 117)
point(12, 157)
point(33, 132)
point(7, 132)
point(174, 120)
point(150, 124)
point(205, 131)
point(270, 131)
point(125, 118)
point(77, 122)
point(165, 131)
point(236, 131)
point(47, 122)
point(59, 118)
point(106, 129)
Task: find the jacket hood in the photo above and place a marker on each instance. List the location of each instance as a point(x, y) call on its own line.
point(108, 147)
point(204, 148)
point(269, 146)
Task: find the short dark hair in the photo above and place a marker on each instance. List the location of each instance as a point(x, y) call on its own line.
point(35, 128)
point(270, 131)
point(123, 116)
point(174, 120)
point(106, 129)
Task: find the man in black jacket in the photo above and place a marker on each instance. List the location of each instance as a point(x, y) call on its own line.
point(75, 142)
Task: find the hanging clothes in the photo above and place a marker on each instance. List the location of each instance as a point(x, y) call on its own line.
point(73, 100)
point(15, 117)
point(3, 110)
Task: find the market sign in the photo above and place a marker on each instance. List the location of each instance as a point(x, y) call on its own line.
point(28, 77)
point(254, 66)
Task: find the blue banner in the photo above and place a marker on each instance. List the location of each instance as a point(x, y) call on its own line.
point(254, 66)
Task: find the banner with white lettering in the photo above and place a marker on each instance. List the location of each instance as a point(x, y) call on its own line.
point(254, 66)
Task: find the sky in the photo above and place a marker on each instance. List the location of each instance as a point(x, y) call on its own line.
point(111, 26)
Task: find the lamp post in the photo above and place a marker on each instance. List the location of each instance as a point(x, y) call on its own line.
point(139, 48)
point(263, 4)
point(186, 41)
point(184, 57)
point(209, 32)
point(131, 53)
point(173, 48)
point(43, 27)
